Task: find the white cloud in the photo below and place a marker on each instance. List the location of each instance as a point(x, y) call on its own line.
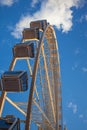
point(57, 12)
point(23, 23)
point(7, 2)
point(73, 107)
point(84, 69)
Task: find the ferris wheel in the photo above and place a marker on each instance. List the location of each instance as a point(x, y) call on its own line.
point(37, 89)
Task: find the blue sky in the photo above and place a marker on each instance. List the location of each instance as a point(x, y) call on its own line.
point(69, 19)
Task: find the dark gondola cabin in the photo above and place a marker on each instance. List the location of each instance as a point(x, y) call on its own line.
point(30, 34)
point(9, 123)
point(15, 81)
point(23, 50)
point(39, 24)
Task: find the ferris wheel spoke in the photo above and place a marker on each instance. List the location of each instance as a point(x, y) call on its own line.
point(29, 66)
point(13, 104)
point(44, 115)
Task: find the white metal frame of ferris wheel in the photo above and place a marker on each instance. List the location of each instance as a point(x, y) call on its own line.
point(51, 113)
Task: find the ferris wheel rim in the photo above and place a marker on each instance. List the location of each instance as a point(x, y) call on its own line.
point(35, 71)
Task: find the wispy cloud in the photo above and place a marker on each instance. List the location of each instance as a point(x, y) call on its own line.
point(34, 2)
point(85, 121)
point(75, 66)
point(57, 12)
point(73, 107)
point(77, 51)
point(83, 18)
point(7, 2)
point(86, 17)
point(84, 69)
point(1, 71)
point(81, 116)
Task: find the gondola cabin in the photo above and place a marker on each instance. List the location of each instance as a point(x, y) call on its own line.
point(9, 123)
point(39, 24)
point(14, 81)
point(30, 34)
point(23, 50)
